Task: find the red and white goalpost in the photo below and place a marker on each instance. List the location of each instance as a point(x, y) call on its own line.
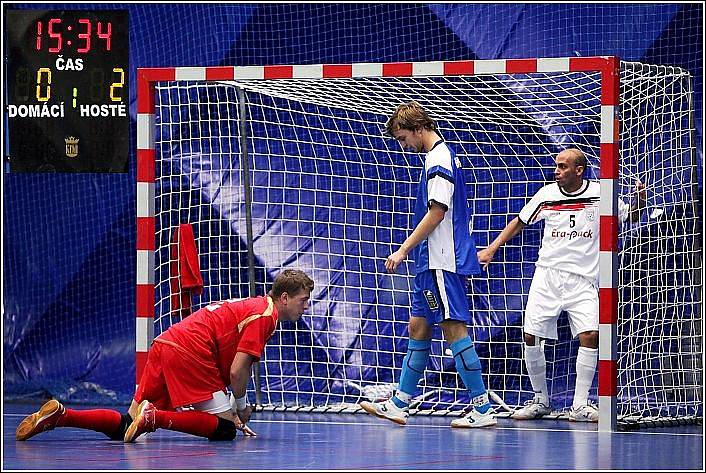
point(352, 93)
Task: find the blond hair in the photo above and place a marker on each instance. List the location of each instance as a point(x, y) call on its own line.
point(409, 116)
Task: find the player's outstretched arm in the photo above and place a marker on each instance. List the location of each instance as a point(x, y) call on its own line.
point(485, 256)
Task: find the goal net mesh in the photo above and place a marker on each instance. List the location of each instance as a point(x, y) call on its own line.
point(333, 196)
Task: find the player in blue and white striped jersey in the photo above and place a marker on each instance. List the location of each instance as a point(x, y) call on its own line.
point(444, 254)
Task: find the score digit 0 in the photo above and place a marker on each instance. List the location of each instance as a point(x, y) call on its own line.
point(40, 97)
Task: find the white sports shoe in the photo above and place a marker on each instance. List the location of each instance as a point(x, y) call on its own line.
point(386, 410)
point(534, 409)
point(475, 419)
point(586, 413)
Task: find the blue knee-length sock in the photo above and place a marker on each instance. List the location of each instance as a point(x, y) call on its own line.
point(413, 366)
point(468, 367)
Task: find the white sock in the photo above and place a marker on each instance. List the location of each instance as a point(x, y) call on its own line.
point(536, 365)
point(586, 362)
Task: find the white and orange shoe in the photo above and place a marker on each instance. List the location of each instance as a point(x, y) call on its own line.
point(143, 422)
point(44, 419)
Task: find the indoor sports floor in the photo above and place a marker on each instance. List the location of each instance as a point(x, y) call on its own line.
point(302, 441)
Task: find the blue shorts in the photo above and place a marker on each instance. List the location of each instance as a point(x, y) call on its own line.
point(440, 295)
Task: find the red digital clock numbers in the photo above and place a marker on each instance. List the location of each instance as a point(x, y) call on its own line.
point(51, 34)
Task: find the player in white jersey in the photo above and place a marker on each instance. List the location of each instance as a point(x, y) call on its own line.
point(565, 278)
point(444, 254)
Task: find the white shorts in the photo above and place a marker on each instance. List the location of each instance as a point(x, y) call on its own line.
point(553, 291)
point(218, 404)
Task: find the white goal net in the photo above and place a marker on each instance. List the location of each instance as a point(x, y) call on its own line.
point(328, 193)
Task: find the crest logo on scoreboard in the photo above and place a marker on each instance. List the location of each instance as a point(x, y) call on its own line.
point(71, 146)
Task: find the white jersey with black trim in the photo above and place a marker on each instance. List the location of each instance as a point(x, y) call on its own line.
point(571, 231)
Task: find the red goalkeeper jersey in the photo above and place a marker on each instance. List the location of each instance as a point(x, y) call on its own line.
point(218, 331)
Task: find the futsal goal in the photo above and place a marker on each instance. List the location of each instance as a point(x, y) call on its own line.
point(280, 167)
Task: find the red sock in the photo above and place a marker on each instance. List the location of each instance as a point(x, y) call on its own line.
point(100, 420)
point(198, 423)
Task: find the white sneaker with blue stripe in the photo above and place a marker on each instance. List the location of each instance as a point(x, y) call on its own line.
point(475, 419)
point(386, 410)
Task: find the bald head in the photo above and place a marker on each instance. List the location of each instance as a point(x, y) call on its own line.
point(577, 157)
point(570, 167)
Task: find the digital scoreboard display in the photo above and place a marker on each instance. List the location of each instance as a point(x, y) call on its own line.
point(67, 90)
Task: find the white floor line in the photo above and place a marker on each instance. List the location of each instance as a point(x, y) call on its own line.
point(413, 426)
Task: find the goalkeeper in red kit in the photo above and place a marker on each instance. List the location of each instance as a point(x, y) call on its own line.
point(183, 387)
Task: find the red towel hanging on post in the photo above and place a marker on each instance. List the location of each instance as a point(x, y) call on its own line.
point(185, 275)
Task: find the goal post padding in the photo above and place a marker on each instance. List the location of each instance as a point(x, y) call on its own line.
point(330, 194)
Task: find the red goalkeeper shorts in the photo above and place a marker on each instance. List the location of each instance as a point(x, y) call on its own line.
point(175, 378)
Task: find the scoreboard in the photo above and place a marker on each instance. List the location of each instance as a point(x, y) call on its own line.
point(67, 90)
